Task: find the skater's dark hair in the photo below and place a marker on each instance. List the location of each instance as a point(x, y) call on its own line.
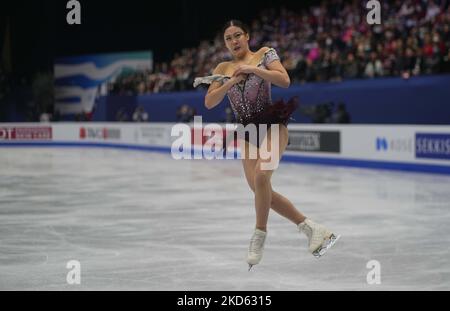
point(236, 23)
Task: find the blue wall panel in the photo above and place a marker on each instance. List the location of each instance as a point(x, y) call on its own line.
point(420, 100)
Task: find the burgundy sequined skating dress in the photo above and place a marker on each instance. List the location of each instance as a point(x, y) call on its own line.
point(251, 100)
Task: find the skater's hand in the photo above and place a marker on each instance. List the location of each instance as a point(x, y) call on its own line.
point(246, 69)
point(238, 79)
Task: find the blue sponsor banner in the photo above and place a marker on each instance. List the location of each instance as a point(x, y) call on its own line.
point(433, 146)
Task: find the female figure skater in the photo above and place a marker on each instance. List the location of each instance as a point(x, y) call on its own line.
point(247, 82)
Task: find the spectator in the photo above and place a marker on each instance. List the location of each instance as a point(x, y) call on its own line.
point(320, 113)
point(340, 115)
point(140, 115)
point(185, 113)
point(45, 117)
point(446, 63)
point(408, 64)
point(350, 67)
point(374, 67)
point(121, 115)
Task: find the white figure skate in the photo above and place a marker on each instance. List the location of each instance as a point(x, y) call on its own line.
point(320, 238)
point(255, 250)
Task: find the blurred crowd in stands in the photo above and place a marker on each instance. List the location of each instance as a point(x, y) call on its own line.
point(328, 42)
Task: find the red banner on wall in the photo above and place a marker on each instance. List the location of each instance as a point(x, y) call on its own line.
point(25, 133)
point(100, 133)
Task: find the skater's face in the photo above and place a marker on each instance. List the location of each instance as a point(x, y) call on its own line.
point(236, 40)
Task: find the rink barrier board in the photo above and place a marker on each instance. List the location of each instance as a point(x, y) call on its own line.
point(427, 168)
point(365, 146)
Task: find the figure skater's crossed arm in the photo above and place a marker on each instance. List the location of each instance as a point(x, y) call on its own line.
point(217, 90)
point(275, 72)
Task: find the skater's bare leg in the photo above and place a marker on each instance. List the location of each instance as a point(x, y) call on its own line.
point(259, 182)
point(285, 208)
point(279, 204)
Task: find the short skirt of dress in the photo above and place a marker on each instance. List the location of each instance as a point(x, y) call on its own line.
point(276, 113)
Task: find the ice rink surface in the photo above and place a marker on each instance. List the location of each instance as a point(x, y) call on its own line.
point(143, 221)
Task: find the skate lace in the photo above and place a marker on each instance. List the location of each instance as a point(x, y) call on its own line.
point(256, 243)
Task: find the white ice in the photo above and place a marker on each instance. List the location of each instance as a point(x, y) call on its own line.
point(142, 221)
